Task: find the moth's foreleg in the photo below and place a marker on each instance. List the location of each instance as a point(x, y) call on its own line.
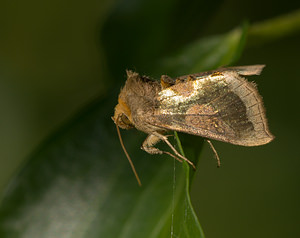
point(165, 139)
point(150, 142)
point(148, 145)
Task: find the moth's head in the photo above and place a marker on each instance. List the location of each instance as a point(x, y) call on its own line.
point(122, 116)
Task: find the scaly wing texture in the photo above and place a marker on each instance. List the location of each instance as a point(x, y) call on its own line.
point(221, 106)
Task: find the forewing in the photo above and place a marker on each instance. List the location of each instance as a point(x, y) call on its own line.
point(222, 106)
point(240, 70)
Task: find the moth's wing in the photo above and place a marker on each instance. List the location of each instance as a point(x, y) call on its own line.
point(221, 106)
point(246, 70)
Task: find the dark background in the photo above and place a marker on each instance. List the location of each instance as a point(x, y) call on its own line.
point(57, 56)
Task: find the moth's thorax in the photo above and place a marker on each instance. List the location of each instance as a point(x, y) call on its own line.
point(137, 99)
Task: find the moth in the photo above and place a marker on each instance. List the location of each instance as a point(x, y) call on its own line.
point(218, 104)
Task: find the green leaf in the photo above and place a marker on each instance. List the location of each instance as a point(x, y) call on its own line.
point(191, 225)
point(138, 33)
point(207, 53)
point(275, 28)
point(79, 184)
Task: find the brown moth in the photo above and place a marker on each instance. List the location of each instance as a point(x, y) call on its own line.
point(219, 105)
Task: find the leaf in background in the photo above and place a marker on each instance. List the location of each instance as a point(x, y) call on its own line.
point(137, 33)
point(206, 53)
point(274, 29)
point(79, 184)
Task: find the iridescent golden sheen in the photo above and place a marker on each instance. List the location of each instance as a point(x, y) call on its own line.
point(218, 104)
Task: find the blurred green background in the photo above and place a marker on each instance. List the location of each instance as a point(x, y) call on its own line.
point(56, 56)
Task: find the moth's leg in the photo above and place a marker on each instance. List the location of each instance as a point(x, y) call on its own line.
point(165, 139)
point(171, 135)
point(148, 146)
point(215, 152)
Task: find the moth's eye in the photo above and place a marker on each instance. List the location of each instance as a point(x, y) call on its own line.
point(124, 122)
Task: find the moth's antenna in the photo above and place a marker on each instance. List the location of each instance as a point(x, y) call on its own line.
point(128, 157)
point(215, 152)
